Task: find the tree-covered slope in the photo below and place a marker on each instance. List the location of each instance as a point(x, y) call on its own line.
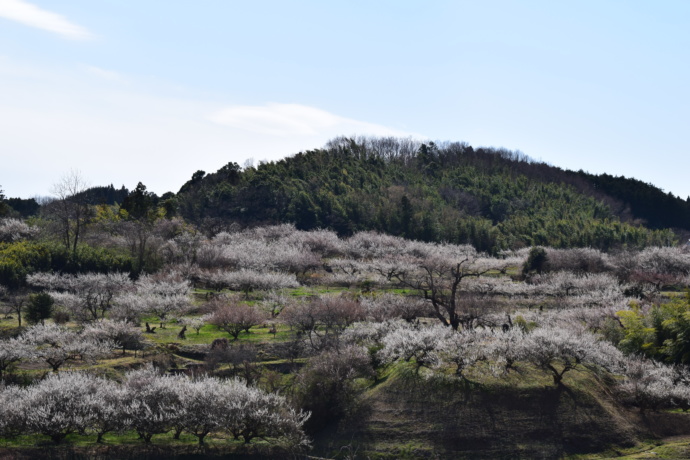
point(658, 209)
point(494, 199)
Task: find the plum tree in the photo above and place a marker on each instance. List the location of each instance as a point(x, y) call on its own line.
point(57, 345)
point(234, 319)
point(88, 296)
point(58, 405)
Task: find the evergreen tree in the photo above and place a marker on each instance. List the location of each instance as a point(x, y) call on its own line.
point(40, 308)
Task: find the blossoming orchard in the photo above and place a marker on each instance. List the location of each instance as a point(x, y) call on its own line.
point(261, 337)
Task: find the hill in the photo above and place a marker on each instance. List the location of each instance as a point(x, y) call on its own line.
point(518, 416)
point(492, 198)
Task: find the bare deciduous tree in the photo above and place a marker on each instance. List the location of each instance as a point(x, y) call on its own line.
point(70, 209)
point(438, 279)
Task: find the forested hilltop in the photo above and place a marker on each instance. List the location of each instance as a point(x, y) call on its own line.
point(492, 198)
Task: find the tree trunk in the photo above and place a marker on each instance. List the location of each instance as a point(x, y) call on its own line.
point(76, 237)
point(58, 437)
point(455, 323)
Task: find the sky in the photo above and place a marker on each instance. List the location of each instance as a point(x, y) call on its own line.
point(127, 91)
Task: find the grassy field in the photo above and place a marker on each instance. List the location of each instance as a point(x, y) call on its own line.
point(208, 333)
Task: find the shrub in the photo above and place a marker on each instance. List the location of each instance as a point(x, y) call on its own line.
point(536, 261)
point(40, 308)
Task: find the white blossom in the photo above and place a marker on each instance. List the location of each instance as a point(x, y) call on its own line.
point(59, 405)
point(87, 296)
point(57, 345)
point(15, 229)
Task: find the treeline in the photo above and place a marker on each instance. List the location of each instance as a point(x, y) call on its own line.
point(28, 207)
point(658, 209)
point(493, 199)
point(105, 195)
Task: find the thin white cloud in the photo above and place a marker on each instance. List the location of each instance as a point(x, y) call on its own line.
point(293, 120)
point(103, 73)
point(116, 130)
point(33, 16)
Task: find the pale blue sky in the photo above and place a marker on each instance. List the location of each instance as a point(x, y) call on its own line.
point(151, 91)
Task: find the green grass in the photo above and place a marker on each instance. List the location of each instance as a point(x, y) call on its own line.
point(305, 291)
point(672, 448)
point(9, 325)
point(208, 333)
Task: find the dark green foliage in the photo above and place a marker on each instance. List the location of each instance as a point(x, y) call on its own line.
point(104, 195)
point(25, 257)
point(658, 209)
point(87, 259)
point(4, 208)
point(197, 176)
point(39, 308)
point(140, 204)
point(168, 202)
point(493, 199)
point(536, 261)
point(25, 208)
point(92, 259)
